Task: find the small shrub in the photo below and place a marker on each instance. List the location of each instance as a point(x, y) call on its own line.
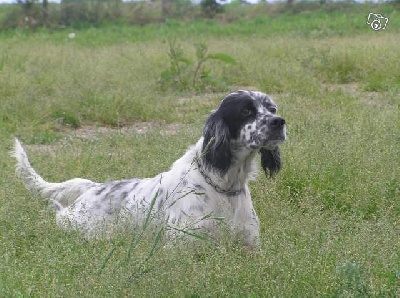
point(185, 74)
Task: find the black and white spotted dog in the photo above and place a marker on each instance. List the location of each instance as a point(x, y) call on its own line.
point(207, 183)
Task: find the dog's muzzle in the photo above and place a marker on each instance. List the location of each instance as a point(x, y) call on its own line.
point(270, 132)
point(276, 123)
point(275, 131)
point(277, 128)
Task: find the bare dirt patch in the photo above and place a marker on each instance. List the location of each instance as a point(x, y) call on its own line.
point(351, 88)
point(90, 132)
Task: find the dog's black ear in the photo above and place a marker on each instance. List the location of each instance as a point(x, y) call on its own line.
point(271, 161)
point(216, 144)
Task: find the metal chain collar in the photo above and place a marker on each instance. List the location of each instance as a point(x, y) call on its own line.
point(215, 186)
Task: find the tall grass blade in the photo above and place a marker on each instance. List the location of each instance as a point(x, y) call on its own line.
point(107, 258)
point(156, 245)
point(190, 233)
point(152, 203)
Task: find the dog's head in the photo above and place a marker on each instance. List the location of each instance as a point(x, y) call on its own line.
point(247, 121)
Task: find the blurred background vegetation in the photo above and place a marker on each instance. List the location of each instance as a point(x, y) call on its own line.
point(34, 14)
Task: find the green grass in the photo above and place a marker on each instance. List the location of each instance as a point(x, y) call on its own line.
point(329, 221)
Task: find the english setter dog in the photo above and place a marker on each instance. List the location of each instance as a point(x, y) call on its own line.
point(207, 184)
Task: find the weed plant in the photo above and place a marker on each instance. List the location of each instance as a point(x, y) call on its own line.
point(185, 74)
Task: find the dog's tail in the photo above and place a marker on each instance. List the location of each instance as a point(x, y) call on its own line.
point(31, 179)
point(60, 194)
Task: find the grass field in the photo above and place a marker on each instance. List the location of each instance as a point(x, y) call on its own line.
point(92, 107)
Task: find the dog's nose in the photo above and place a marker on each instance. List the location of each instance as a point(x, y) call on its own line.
point(277, 122)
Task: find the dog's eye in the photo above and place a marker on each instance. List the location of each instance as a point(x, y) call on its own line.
point(247, 112)
point(272, 110)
